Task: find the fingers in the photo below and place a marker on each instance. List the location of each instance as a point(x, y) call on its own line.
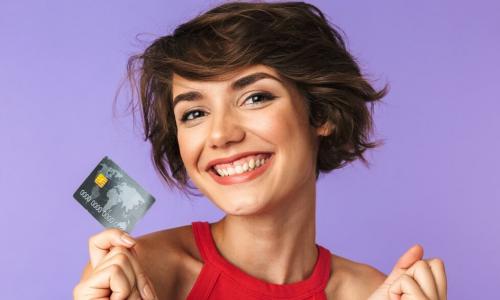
point(120, 257)
point(100, 243)
point(134, 296)
point(110, 278)
point(149, 290)
point(406, 285)
point(417, 278)
point(428, 281)
point(116, 273)
point(439, 274)
point(413, 254)
point(422, 274)
point(144, 284)
point(127, 260)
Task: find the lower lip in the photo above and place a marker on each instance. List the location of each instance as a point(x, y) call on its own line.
point(244, 177)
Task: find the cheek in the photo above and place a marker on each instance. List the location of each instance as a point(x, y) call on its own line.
point(272, 127)
point(292, 132)
point(285, 125)
point(189, 143)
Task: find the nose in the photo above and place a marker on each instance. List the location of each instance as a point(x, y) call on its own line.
point(225, 129)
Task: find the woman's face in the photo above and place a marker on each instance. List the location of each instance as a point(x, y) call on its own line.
point(233, 117)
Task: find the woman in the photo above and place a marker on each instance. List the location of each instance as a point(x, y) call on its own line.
point(251, 102)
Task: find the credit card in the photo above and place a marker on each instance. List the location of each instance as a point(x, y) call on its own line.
point(113, 197)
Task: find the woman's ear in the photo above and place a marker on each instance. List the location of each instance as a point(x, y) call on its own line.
point(326, 129)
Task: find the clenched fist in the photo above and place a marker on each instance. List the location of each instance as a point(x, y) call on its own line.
point(414, 279)
point(116, 273)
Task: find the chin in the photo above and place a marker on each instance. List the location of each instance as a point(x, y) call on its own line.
point(242, 206)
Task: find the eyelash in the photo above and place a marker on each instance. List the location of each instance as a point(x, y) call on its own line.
point(264, 96)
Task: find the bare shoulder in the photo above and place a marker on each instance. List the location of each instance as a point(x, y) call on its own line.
point(352, 280)
point(171, 260)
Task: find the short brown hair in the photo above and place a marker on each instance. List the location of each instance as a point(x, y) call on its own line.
point(294, 38)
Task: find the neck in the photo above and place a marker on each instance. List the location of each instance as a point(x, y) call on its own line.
point(277, 246)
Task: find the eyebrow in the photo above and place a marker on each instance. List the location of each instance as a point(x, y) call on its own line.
point(235, 86)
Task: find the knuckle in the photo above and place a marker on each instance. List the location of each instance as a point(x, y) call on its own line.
point(115, 269)
point(438, 262)
point(141, 276)
point(419, 265)
point(403, 279)
point(121, 258)
point(127, 288)
point(118, 249)
point(406, 277)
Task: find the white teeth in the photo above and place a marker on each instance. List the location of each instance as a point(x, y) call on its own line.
point(239, 170)
point(247, 166)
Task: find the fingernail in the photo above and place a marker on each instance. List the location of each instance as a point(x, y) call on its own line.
point(127, 239)
point(147, 291)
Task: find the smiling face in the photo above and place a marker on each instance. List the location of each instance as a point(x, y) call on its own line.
point(258, 114)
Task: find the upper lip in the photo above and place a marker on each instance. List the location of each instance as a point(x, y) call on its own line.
point(232, 158)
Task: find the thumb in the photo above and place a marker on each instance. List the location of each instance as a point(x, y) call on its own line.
point(412, 255)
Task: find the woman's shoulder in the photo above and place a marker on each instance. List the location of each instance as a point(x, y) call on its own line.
point(352, 280)
point(175, 243)
point(171, 259)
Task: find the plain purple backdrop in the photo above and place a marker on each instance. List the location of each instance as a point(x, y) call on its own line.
point(435, 181)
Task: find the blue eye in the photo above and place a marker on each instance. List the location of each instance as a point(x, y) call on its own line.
point(262, 96)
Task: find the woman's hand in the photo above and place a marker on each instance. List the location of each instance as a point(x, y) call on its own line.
point(414, 279)
point(116, 273)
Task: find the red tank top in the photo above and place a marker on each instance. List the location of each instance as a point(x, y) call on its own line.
point(219, 279)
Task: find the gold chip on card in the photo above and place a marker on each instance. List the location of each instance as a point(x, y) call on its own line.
point(101, 180)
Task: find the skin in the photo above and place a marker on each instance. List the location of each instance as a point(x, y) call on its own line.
point(269, 226)
point(271, 218)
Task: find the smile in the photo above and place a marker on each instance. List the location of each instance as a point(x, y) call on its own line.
point(243, 165)
point(245, 170)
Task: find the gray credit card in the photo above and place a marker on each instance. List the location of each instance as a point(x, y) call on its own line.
point(113, 197)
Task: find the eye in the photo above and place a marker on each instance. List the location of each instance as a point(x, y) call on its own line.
point(256, 99)
point(262, 96)
point(187, 116)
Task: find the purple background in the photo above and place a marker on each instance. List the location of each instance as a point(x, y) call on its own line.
point(435, 181)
